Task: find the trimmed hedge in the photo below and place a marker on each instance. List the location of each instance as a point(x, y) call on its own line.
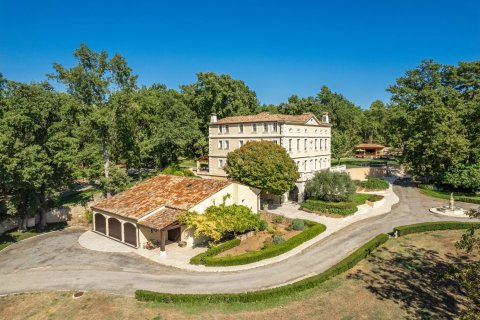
point(341, 208)
point(214, 250)
point(375, 184)
point(268, 294)
point(313, 230)
point(433, 226)
point(427, 190)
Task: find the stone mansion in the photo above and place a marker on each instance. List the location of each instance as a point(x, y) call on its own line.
point(306, 139)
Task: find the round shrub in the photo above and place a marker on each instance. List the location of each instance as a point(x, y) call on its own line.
point(277, 219)
point(278, 240)
point(298, 224)
point(330, 186)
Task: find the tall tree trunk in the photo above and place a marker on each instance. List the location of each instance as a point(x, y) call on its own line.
point(106, 161)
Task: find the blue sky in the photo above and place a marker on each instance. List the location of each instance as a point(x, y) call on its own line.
point(279, 48)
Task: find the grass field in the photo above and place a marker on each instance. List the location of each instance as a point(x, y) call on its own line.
point(402, 279)
point(11, 237)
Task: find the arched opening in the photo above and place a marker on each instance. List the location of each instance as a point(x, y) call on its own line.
point(130, 233)
point(114, 229)
point(100, 223)
point(293, 194)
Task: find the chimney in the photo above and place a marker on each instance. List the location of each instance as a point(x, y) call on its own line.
point(213, 117)
point(325, 117)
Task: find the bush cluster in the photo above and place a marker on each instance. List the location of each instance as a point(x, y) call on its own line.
point(374, 184)
point(433, 226)
point(313, 230)
point(268, 294)
point(214, 250)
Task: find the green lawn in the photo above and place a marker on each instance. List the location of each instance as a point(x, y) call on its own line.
point(11, 237)
point(76, 198)
point(458, 196)
point(187, 163)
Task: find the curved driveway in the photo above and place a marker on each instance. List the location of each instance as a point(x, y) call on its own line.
point(57, 262)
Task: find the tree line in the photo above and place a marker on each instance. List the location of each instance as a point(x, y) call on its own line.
point(104, 122)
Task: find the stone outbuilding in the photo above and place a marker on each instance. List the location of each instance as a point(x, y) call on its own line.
point(150, 210)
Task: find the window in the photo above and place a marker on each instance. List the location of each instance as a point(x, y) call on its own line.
point(316, 146)
point(298, 165)
point(326, 147)
point(298, 145)
point(275, 141)
point(220, 129)
point(220, 163)
point(316, 163)
point(254, 127)
point(220, 144)
point(240, 128)
point(289, 145)
point(275, 127)
point(321, 144)
point(240, 143)
point(265, 127)
point(227, 144)
point(227, 130)
point(305, 144)
point(311, 164)
point(305, 165)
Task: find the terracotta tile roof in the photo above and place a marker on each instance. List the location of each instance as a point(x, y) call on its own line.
point(180, 193)
point(161, 219)
point(265, 116)
point(369, 146)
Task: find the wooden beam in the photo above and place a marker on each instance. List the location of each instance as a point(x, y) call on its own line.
point(163, 234)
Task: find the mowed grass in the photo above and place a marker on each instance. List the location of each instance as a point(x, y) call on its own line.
point(11, 237)
point(402, 279)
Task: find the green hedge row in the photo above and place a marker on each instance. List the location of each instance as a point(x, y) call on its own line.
point(433, 226)
point(214, 250)
point(428, 190)
point(268, 294)
point(313, 230)
point(374, 184)
point(341, 208)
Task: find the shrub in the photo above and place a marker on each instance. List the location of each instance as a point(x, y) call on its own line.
point(268, 294)
point(277, 219)
point(375, 184)
point(330, 186)
point(176, 170)
point(89, 216)
point(277, 240)
point(214, 250)
point(432, 226)
point(263, 225)
point(298, 224)
point(254, 256)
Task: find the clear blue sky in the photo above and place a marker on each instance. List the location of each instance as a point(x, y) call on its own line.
point(279, 48)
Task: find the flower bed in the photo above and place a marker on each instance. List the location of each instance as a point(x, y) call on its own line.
point(210, 258)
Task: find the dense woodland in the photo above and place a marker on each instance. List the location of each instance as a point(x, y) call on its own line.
point(104, 123)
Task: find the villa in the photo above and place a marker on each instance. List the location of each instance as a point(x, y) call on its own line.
point(150, 210)
point(305, 138)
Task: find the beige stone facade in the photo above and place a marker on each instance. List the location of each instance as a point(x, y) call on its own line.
point(305, 138)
